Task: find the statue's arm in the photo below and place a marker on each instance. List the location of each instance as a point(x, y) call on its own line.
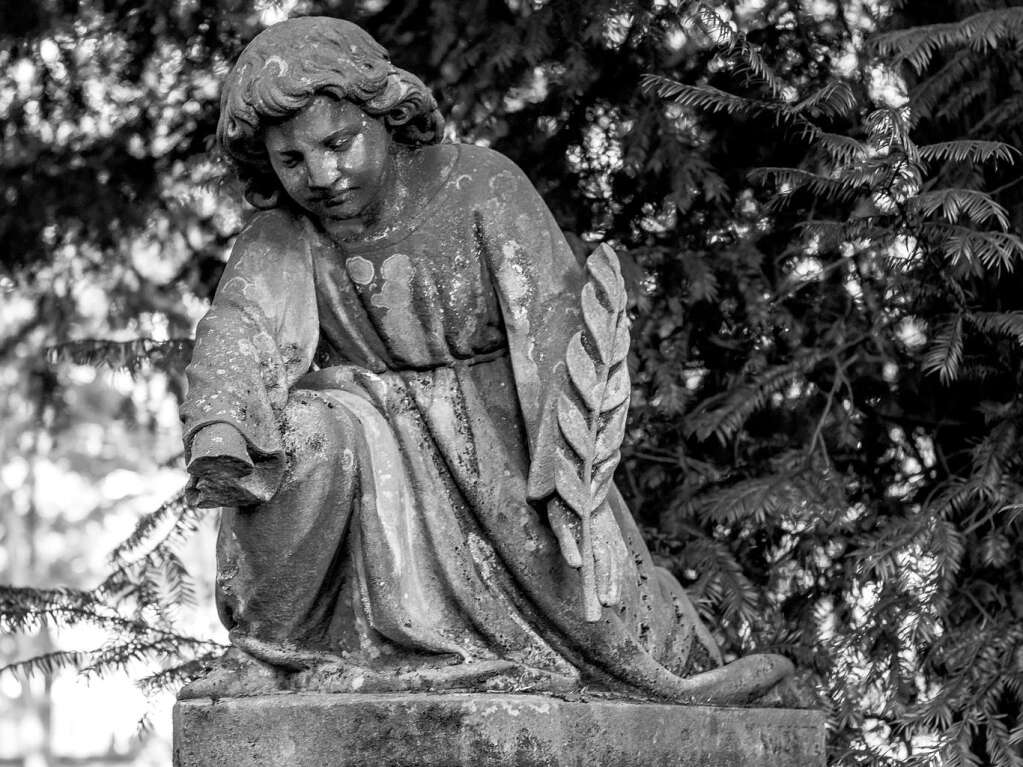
point(258, 337)
point(539, 283)
point(537, 279)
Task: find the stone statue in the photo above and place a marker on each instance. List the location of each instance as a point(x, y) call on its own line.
point(408, 395)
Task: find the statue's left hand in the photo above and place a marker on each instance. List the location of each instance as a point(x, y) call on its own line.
point(609, 551)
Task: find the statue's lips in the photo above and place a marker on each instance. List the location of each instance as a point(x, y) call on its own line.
point(338, 199)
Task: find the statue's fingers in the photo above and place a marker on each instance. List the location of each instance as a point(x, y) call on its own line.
point(610, 554)
point(561, 523)
point(601, 571)
point(614, 585)
point(621, 557)
point(608, 571)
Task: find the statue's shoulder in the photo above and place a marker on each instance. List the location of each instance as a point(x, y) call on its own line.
point(481, 161)
point(443, 160)
point(277, 228)
point(478, 173)
point(462, 173)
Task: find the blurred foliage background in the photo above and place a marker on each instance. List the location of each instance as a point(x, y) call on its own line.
point(816, 203)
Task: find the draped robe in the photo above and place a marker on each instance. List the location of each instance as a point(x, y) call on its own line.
point(402, 514)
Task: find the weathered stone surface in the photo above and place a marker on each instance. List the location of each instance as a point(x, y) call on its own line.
point(477, 730)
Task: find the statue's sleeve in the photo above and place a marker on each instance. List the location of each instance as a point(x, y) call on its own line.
point(257, 339)
point(538, 281)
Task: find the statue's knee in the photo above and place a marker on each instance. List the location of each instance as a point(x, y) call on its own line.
point(315, 429)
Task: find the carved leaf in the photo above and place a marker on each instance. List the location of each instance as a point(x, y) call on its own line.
point(621, 345)
point(594, 428)
point(602, 478)
point(618, 388)
point(603, 266)
point(571, 489)
point(599, 322)
point(609, 438)
point(574, 427)
point(583, 372)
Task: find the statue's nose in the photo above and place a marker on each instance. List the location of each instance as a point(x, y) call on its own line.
point(322, 173)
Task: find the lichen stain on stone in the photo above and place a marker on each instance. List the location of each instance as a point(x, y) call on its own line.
point(395, 297)
point(518, 291)
point(302, 433)
point(482, 554)
point(226, 576)
point(293, 358)
point(511, 708)
point(347, 460)
point(238, 285)
point(360, 270)
point(503, 185)
point(279, 63)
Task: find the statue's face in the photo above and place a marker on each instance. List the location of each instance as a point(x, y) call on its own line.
point(332, 159)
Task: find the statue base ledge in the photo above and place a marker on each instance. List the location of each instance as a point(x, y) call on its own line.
point(483, 729)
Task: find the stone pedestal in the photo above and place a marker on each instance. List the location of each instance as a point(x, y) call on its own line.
point(483, 730)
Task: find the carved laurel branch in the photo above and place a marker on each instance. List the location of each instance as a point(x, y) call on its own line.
point(593, 406)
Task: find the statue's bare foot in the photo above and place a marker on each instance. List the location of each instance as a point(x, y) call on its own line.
point(742, 681)
point(234, 674)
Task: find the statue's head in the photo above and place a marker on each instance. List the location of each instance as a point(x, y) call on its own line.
point(292, 64)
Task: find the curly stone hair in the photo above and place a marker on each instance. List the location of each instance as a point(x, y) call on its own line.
point(286, 65)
